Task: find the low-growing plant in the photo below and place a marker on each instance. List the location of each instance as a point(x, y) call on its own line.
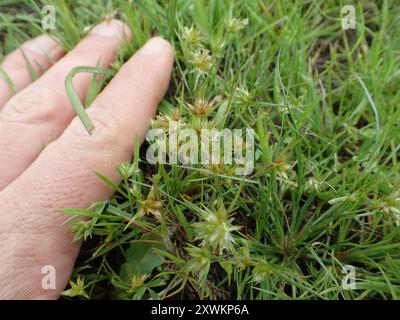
point(324, 192)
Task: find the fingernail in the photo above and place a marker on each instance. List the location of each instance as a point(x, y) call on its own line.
point(111, 28)
point(42, 44)
point(152, 46)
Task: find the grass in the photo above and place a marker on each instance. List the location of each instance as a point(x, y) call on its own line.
point(324, 104)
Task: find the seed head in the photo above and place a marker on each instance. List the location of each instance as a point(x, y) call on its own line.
point(151, 205)
point(202, 108)
point(391, 205)
point(234, 25)
point(82, 229)
point(77, 289)
point(215, 229)
point(137, 281)
point(314, 185)
point(163, 120)
point(192, 37)
point(202, 61)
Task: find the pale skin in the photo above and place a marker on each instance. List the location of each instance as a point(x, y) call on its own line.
point(48, 160)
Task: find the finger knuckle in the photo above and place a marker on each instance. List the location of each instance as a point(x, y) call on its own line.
point(104, 137)
point(34, 106)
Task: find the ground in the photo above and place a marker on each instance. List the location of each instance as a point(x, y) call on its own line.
point(322, 205)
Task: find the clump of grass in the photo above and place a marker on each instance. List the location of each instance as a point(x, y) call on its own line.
point(324, 106)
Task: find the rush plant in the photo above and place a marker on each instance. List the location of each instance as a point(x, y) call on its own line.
point(324, 193)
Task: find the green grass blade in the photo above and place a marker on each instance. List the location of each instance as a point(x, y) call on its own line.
point(73, 97)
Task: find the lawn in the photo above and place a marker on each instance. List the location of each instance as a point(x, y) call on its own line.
point(322, 204)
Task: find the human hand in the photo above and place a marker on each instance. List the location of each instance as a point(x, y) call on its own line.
point(47, 161)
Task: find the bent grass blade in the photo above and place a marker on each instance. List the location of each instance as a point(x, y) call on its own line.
point(73, 97)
